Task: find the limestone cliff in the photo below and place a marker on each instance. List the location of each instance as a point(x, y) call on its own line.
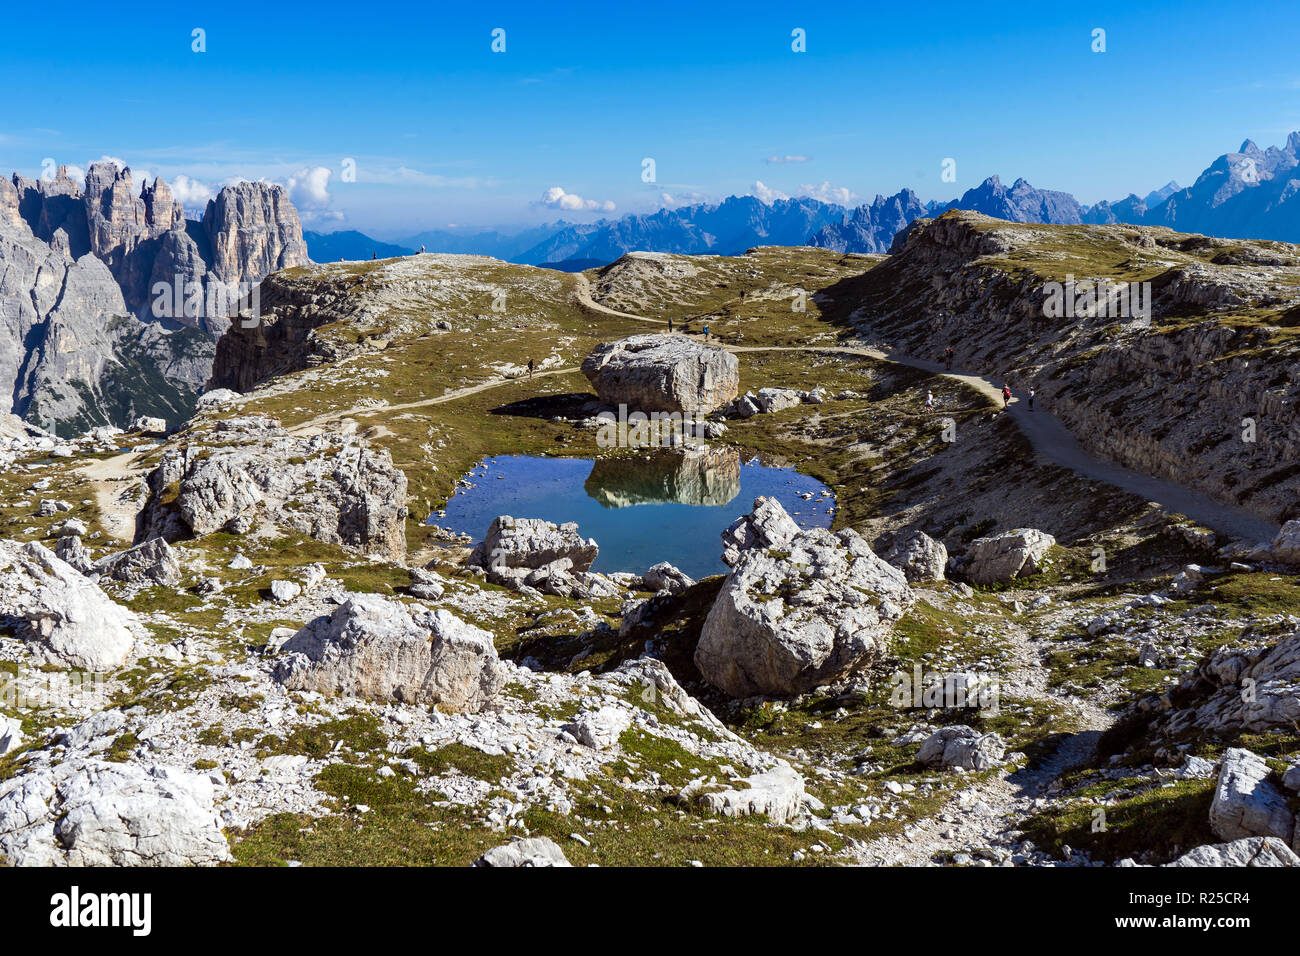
point(111, 299)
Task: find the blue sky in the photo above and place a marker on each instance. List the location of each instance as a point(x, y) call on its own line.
point(444, 131)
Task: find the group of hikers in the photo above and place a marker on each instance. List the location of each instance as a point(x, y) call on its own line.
point(949, 354)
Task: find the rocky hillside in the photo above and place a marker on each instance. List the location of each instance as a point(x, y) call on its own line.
point(111, 299)
point(1175, 397)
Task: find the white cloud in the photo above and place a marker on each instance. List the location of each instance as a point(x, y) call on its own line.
point(778, 160)
point(765, 194)
point(309, 187)
point(828, 193)
point(557, 198)
point(191, 192)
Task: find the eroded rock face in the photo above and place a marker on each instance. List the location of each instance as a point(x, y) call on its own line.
point(533, 543)
point(919, 557)
point(1006, 556)
point(667, 373)
point(96, 813)
point(1245, 803)
point(67, 618)
point(379, 648)
point(786, 621)
point(333, 486)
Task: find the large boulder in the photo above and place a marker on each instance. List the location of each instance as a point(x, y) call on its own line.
point(66, 617)
point(919, 557)
point(1007, 556)
point(768, 525)
point(96, 813)
point(1248, 851)
point(331, 486)
point(376, 647)
point(152, 562)
point(662, 373)
point(533, 544)
point(786, 621)
point(1245, 803)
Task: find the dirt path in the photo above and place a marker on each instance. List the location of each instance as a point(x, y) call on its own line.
point(358, 410)
point(1054, 442)
point(981, 815)
point(115, 482)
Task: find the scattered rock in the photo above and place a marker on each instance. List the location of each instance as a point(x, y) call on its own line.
point(766, 526)
point(153, 562)
point(779, 794)
point(959, 746)
point(664, 577)
point(109, 814)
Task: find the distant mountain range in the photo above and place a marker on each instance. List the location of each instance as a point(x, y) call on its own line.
point(1250, 194)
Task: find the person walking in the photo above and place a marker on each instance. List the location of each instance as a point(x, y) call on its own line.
point(1031, 398)
point(1006, 395)
point(530, 368)
point(670, 325)
point(706, 331)
point(948, 355)
point(929, 401)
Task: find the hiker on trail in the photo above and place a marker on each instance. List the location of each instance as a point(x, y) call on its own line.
point(1006, 395)
point(530, 368)
point(706, 331)
point(948, 355)
point(374, 255)
point(1031, 398)
point(929, 401)
point(422, 250)
point(670, 325)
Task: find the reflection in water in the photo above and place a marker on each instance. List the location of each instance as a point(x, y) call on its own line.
point(697, 497)
point(703, 476)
